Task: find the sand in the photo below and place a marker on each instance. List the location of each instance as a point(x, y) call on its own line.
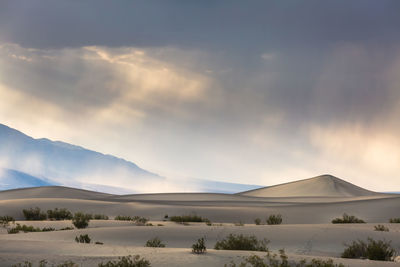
point(306, 231)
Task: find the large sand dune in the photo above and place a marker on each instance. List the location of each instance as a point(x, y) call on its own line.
point(307, 207)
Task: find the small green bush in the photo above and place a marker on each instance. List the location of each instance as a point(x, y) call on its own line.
point(129, 261)
point(373, 250)
point(100, 217)
point(123, 218)
point(241, 242)
point(34, 214)
point(24, 228)
point(188, 218)
point(381, 228)
point(273, 260)
point(48, 229)
point(347, 219)
point(394, 220)
point(6, 220)
point(155, 243)
point(80, 220)
point(59, 214)
point(257, 221)
point(274, 219)
point(199, 247)
point(83, 239)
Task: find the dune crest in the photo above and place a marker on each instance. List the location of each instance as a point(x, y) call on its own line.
point(319, 186)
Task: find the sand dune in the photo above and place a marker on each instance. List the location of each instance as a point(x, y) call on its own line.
point(307, 208)
point(320, 186)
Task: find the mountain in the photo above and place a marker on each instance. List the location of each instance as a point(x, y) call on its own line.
point(29, 162)
point(320, 186)
point(65, 164)
point(12, 179)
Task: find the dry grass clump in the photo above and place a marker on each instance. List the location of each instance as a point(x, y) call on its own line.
point(188, 218)
point(128, 261)
point(241, 242)
point(83, 239)
point(199, 247)
point(155, 243)
point(381, 228)
point(6, 220)
point(281, 260)
point(100, 217)
point(380, 250)
point(28, 228)
point(394, 220)
point(347, 219)
point(274, 219)
point(43, 263)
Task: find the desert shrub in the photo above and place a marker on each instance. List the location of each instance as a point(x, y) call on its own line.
point(373, 250)
point(380, 227)
point(48, 229)
point(274, 219)
point(100, 217)
point(238, 224)
point(199, 247)
point(394, 220)
point(155, 243)
point(188, 218)
point(34, 214)
point(66, 228)
point(43, 263)
point(99, 243)
point(273, 260)
point(80, 220)
point(347, 219)
point(6, 220)
point(139, 220)
point(59, 214)
point(129, 261)
point(24, 228)
point(241, 242)
point(83, 239)
point(257, 221)
point(123, 218)
point(159, 224)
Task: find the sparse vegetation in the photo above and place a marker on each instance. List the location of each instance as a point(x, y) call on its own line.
point(80, 220)
point(25, 228)
point(188, 218)
point(66, 228)
point(273, 260)
point(199, 247)
point(238, 224)
point(347, 219)
point(381, 228)
point(34, 214)
point(6, 220)
point(129, 261)
point(257, 221)
point(83, 239)
point(380, 250)
point(155, 243)
point(123, 218)
point(59, 214)
point(159, 224)
point(43, 263)
point(100, 217)
point(99, 243)
point(274, 219)
point(394, 220)
point(140, 220)
point(241, 242)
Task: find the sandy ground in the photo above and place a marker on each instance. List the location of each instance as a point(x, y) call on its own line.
point(306, 230)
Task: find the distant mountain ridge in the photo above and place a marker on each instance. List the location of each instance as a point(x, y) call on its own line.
point(29, 162)
point(319, 186)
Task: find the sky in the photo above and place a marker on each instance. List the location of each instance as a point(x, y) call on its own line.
point(260, 92)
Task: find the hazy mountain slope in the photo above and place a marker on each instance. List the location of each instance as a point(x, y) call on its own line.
point(321, 186)
point(68, 164)
point(11, 179)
